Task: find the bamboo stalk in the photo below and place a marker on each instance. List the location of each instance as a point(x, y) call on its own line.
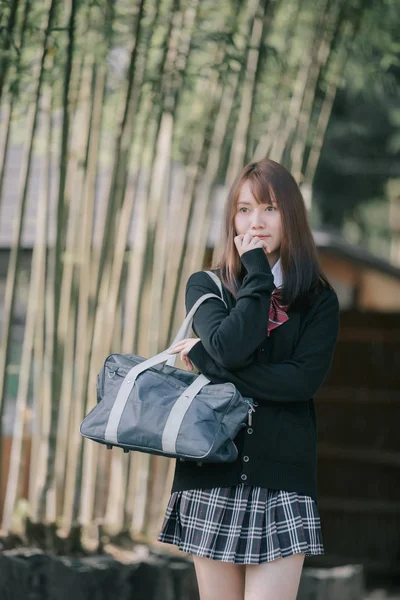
point(34, 295)
point(7, 37)
point(238, 147)
point(160, 175)
point(344, 34)
point(321, 53)
point(280, 91)
point(87, 129)
point(132, 293)
point(102, 268)
point(36, 473)
point(83, 228)
point(268, 20)
point(5, 146)
point(9, 299)
point(115, 497)
point(47, 503)
point(81, 237)
point(281, 140)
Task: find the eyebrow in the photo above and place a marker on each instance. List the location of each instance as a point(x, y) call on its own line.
point(270, 202)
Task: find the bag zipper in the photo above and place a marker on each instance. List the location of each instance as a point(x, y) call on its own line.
point(249, 412)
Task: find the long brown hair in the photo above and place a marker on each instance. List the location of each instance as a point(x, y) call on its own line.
point(302, 274)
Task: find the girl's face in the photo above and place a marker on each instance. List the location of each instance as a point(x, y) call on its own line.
point(259, 219)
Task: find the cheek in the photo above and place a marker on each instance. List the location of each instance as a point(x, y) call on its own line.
point(238, 222)
point(278, 227)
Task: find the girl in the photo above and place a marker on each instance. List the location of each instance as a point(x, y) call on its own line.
point(249, 524)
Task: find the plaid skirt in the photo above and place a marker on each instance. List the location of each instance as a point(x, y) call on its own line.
point(242, 524)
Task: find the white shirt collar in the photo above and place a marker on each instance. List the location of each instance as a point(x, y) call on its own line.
point(277, 273)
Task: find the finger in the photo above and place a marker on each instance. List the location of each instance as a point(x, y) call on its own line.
point(261, 243)
point(178, 345)
point(175, 349)
point(265, 245)
point(247, 238)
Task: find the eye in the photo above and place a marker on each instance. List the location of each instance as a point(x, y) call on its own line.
point(243, 208)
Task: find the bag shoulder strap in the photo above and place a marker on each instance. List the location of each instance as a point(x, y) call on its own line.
point(217, 281)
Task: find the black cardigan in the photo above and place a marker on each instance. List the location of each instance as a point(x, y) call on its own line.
point(281, 373)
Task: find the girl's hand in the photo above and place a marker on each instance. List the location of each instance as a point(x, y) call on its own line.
point(246, 241)
point(184, 346)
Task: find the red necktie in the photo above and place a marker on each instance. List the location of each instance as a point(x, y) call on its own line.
point(277, 312)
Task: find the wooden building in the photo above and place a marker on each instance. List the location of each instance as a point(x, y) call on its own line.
point(358, 412)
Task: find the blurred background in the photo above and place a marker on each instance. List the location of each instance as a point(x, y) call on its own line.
point(123, 124)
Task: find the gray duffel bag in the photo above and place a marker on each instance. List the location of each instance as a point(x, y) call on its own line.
point(151, 406)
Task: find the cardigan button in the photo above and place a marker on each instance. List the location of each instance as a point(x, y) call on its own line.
point(246, 459)
point(243, 477)
point(255, 403)
point(249, 430)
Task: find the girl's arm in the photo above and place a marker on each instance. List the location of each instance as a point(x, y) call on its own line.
point(294, 380)
point(231, 338)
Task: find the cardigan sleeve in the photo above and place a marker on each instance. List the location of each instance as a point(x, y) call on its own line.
point(294, 380)
point(231, 337)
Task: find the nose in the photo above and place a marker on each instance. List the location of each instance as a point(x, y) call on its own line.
point(257, 219)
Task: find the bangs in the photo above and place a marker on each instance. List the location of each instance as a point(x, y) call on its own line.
point(262, 191)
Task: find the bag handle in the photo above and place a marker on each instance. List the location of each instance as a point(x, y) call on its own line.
point(186, 326)
point(178, 412)
point(184, 401)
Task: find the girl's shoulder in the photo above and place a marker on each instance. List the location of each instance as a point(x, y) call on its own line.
point(203, 282)
point(325, 300)
point(319, 295)
point(202, 278)
point(200, 282)
point(326, 291)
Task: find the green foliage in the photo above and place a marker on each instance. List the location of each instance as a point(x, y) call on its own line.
point(104, 31)
point(375, 55)
point(362, 145)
